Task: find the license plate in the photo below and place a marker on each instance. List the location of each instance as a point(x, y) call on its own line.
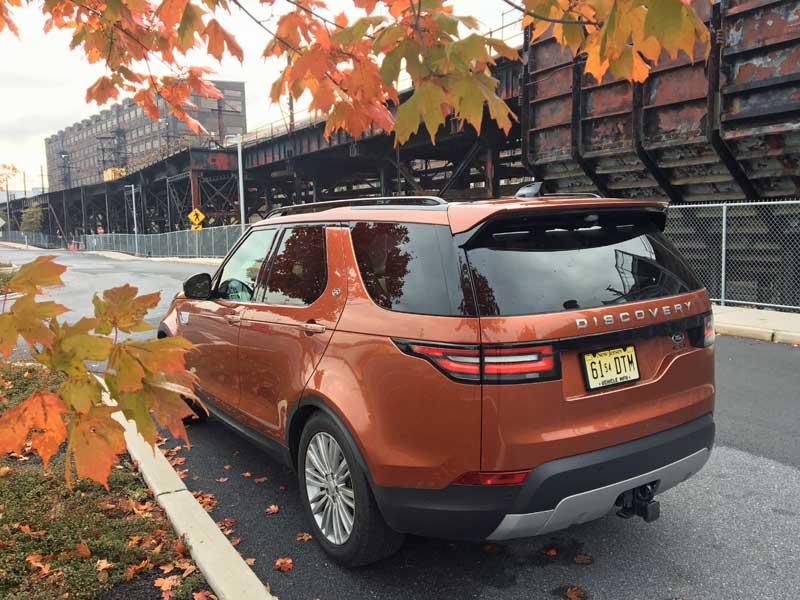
point(610, 367)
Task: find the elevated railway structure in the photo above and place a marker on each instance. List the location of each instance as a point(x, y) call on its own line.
point(721, 129)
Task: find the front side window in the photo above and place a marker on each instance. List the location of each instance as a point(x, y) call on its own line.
point(239, 276)
point(298, 274)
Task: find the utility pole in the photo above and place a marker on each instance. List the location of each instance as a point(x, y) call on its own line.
point(24, 186)
point(135, 228)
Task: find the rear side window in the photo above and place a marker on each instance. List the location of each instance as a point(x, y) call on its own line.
point(410, 267)
point(575, 262)
point(298, 274)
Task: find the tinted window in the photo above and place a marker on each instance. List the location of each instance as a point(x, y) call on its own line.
point(559, 266)
point(298, 274)
point(238, 279)
point(409, 267)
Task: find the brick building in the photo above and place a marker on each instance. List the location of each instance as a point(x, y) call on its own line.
point(123, 137)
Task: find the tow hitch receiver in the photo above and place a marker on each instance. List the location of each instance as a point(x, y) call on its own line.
point(639, 502)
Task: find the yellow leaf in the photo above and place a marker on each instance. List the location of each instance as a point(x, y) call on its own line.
point(38, 273)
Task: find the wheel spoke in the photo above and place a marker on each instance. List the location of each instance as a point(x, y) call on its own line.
point(313, 477)
point(321, 506)
point(347, 518)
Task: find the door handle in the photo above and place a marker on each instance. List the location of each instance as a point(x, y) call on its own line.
point(312, 328)
point(233, 319)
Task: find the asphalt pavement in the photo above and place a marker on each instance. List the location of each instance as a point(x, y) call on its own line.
point(731, 532)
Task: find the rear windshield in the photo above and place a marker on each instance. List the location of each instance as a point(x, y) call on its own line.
point(573, 262)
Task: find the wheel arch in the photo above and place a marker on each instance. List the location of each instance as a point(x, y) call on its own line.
point(299, 415)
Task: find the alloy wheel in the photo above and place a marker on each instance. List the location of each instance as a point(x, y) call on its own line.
point(330, 488)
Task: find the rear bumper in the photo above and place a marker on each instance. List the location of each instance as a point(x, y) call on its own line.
point(556, 494)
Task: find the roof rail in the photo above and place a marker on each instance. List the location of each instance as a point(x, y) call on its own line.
point(571, 195)
point(370, 201)
point(534, 190)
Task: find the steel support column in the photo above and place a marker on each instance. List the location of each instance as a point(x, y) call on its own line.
point(576, 127)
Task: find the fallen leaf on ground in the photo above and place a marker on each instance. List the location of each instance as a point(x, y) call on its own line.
point(260, 479)
point(284, 564)
point(207, 501)
point(226, 467)
point(130, 572)
point(102, 567)
point(5, 471)
point(574, 593)
point(272, 509)
point(584, 559)
point(203, 595)
point(226, 522)
point(250, 561)
point(221, 479)
point(302, 536)
point(247, 474)
point(165, 584)
point(180, 546)
point(27, 529)
point(82, 550)
point(550, 551)
point(235, 541)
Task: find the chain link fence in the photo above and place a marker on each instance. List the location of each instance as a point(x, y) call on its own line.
point(206, 243)
point(40, 240)
point(745, 253)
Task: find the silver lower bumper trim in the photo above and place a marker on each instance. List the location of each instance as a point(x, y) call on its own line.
point(596, 503)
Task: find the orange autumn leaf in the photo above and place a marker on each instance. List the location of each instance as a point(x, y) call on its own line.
point(247, 474)
point(43, 412)
point(102, 90)
point(284, 564)
point(221, 479)
point(95, 442)
point(260, 479)
point(271, 509)
point(82, 550)
point(302, 536)
point(574, 593)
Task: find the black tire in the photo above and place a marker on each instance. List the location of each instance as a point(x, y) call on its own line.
point(371, 539)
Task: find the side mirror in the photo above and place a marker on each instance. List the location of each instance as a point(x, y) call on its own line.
point(198, 287)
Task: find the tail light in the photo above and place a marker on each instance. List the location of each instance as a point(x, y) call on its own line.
point(703, 336)
point(516, 364)
point(708, 330)
point(462, 363)
point(488, 364)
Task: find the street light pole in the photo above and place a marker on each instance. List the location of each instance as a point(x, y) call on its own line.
point(241, 179)
point(135, 228)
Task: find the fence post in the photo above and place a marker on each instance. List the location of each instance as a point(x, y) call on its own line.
point(724, 252)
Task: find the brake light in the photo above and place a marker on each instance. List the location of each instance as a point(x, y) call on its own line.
point(506, 364)
point(492, 477)
point(708, 330)
point(488, 364)
point(462, 363)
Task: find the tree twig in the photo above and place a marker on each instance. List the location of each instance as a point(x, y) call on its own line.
point(525, 11)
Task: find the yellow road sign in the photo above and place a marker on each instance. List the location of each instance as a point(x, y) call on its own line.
point(196, 216)
point(196, 227)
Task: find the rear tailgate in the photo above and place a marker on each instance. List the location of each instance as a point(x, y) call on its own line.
point(588, 288)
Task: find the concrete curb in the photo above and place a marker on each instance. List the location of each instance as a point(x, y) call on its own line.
point(757, 324)
point(225, 571)
point(179, 259)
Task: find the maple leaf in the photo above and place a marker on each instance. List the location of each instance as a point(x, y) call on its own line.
point(102, 566)
point(260, 479)
point(95, 442)
point(250, 561)
point(82, 550)
point(284, 565)
point(42, 412)
point(130, 572)
point(272, 509)
point(217, 39)
point(167, 585)
point(302, 536)
point(102, 90)
point(247, 474)
point(121, 308)
point(235, 541)
point(28, 318)
point(203, 595)
point(221, 479)
point(41, 272)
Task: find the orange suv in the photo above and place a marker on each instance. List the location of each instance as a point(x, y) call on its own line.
point(477, 371)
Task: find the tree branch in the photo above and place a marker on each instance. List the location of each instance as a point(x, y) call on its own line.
point(533, 15)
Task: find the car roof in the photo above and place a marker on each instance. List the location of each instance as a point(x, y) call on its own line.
point(460, 216)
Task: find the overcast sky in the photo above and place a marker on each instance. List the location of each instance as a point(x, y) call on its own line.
point(44, 83)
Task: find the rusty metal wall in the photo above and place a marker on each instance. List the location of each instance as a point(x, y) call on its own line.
point(725, 129)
